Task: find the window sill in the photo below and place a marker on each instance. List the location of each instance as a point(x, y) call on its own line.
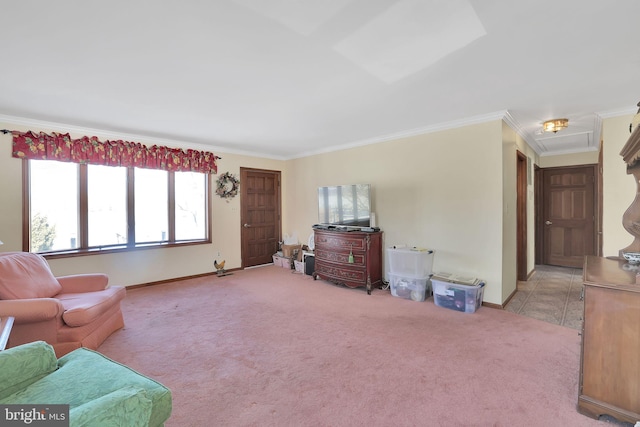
point(116, 249)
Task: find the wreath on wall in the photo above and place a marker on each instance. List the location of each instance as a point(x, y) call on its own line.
point(227, 186)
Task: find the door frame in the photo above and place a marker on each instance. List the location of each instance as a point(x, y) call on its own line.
point(243, 174)
point(597, 207)
point(522, 171)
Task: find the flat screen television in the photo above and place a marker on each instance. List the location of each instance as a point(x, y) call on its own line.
point(345, 205)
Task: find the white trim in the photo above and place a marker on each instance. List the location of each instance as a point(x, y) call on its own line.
point(454, 124)
point(408, 133)
point(528, 138)
point(554, 136)
point(143, 139)
point(597, 132)
point(617, 113)
point(561, 152)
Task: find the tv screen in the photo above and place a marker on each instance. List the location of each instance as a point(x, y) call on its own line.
point(345, 205)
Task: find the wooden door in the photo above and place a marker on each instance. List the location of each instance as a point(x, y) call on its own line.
point(568, 218)
point(521, 200)
point(260, 215)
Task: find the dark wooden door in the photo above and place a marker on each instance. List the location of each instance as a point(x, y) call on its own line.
point(568, 219)
point(521, 203)
point(260, 215)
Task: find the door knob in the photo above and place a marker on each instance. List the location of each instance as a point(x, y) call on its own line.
point(246, 225)
point(548, 222)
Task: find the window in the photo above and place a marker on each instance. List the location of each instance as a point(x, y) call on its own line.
point(151, 211)
point(190, 209)
point(107, 205)
point(53, 221)
point(75, 208)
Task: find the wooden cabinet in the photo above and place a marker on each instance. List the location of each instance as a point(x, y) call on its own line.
point(350, 258)
point(610, 357)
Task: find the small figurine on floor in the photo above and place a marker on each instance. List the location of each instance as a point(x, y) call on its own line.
point(220, 271)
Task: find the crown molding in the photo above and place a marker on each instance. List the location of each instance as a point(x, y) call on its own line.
point(528, 138)
point(617, 113)
point(504, 115)
point(498, 115)
point(554, 136)
point(106, 134)
point(597, 132)
point(67, 128)
point(561, 152)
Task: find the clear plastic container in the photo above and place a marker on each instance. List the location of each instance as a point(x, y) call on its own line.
point(409, 287)
point(410, 262)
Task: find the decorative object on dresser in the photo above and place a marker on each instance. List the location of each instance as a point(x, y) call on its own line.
point(632, 257)
point(609, 360)
point(350, 258)
point(631, 219)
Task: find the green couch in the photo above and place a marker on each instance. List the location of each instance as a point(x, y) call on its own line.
point(99, 391)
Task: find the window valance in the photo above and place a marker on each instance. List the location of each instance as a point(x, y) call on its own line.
point(61, 147)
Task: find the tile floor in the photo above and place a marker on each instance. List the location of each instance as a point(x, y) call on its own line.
point(553, 295)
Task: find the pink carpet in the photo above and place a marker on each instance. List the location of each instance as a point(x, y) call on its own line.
point(265, 347)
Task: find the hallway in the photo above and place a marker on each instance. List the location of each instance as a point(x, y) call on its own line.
point(552, 295)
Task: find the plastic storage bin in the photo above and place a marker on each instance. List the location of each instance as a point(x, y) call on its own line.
point(409, 287)
point(457, 293)
point(410, 262)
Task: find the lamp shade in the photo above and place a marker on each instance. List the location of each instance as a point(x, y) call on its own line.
point(555, 125)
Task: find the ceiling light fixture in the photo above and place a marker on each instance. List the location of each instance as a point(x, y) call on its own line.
point(555, 125)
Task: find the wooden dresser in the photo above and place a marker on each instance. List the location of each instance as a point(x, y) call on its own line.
point(610, 357)
point(333, 260)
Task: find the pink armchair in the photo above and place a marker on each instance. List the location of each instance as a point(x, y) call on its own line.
point(67, 312)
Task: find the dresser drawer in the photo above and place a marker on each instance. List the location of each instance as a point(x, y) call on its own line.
point(341, 257)
point(340, 241)
point(342, 273)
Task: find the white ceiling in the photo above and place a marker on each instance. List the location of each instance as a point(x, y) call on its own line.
point(288, 78)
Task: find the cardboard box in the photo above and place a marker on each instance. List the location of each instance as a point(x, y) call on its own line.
point(292, 251)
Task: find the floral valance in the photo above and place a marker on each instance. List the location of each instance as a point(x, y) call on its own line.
point(61, 147)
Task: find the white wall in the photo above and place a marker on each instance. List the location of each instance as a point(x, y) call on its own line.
point(453, 191)
point(509, 213)
point(226, 215)
point(441, 190)
point(512, 143)
point(140, 266)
